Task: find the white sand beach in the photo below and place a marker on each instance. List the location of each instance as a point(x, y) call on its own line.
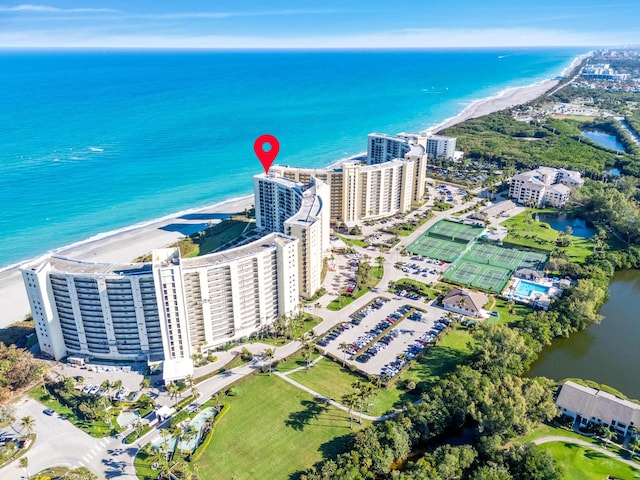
point(121, 246)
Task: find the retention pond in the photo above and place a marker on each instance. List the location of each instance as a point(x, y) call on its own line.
point(608, 352)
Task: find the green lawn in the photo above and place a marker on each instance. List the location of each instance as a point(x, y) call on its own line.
point(375, 274)
point(282, 430)
point(331, 380)
point(231, 232)
point(94, 428)
point(544, 430)
point(513, 319)
point(581, 463)
point(358, 242)
point(309, 323)
point(525, 232)
point(442, 358)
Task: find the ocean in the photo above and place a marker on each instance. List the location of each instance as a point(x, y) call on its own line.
point(95, 141)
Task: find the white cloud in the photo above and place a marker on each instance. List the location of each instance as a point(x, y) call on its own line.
point(412, 38)
point(48, 9)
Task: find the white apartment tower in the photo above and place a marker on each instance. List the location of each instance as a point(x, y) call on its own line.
point(301, 211)
point(166, 310)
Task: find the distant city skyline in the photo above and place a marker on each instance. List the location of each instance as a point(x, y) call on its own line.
point(327, 24)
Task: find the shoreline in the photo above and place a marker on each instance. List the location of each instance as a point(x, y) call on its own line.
point(124, 244)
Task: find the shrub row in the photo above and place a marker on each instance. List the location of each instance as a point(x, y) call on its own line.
point(203, 445)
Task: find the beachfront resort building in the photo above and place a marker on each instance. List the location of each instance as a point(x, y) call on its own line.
point(301, 211)
point(360, 192)
point(544, 186)
point(384, 148)
point(164, 310)
point(588, 405)
point(603, 71)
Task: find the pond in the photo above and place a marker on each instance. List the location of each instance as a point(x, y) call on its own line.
point(603, 138)
point(608, 352)
point(560, 222)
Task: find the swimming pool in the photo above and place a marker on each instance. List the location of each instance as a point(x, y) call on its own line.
point(526, 288)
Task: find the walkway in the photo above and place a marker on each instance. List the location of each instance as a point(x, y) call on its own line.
point(330, 401)
point(584, 443)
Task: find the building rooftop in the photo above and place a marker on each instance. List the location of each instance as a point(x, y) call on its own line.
point(69, 265)
point(264, 243)
point(592, 403)
point(473, 301)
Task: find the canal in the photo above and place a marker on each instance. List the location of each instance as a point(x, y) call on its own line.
point(608, 352)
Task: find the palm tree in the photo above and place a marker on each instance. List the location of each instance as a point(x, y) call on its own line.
point(316, 306)
point(24, 463)
point(174, 392)
point(343, 347)
point(190, 380)
point(194, 392)
point(145, 383)
point(633, 444)
point(27, 423)
point(189, 434)
point(269, 353)
point(350, 400)
point(306, 355)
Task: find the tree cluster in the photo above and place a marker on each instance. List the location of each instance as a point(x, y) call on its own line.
point(485, 398)
point(18, 369)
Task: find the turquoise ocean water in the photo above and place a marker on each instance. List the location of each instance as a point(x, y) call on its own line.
point(96, 141)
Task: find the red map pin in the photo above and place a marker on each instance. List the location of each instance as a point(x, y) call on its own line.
point(266, 157)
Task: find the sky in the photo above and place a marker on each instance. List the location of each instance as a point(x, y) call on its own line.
point(319, 24)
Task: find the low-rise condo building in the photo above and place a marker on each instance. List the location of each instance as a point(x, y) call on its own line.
point(588, 405)
point(164, 310)
point(544, 186)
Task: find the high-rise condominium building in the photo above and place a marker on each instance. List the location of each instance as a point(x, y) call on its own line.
point(383, 148)
point(301, 211)
point(164, 310)
point(362, 192)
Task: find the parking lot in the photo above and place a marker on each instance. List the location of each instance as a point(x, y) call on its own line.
point(404, 332)
point(425, 270)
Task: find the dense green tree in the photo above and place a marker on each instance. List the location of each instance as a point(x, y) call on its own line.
point(497, 350)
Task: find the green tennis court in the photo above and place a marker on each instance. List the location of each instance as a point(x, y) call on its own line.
point(436, 248)
point(453, 231)
point(505, 257)
point(444, 241)
point(483, 276)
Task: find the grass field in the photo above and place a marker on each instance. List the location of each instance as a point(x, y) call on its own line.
point(581, 463)
point(330, 379)
point(442, 358)
point(526, 232)
point(283, 430)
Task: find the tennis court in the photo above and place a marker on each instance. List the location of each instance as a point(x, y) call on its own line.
point(505, 257)
point(444, 241)
point(453, 231)
point(436, 248)
point(483, 276)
